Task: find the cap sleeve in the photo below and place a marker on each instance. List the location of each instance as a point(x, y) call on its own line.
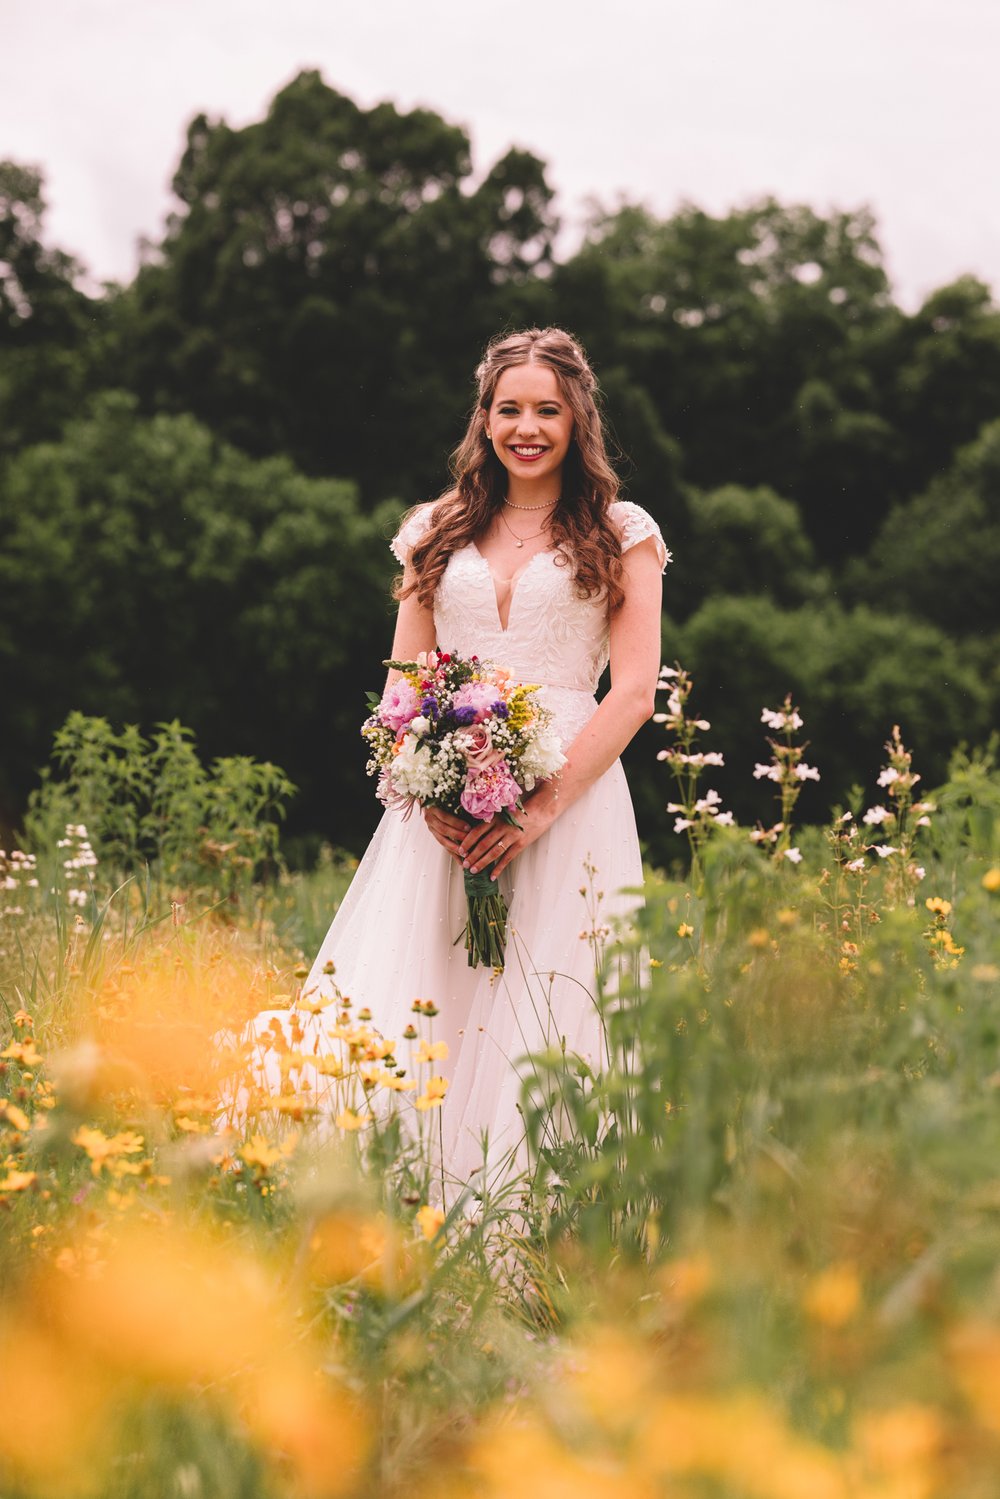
point(635, 524)
point(413, 529)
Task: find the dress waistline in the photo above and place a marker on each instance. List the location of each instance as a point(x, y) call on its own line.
point(527, 680)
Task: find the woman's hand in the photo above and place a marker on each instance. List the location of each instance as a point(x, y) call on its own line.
point(447, 829)
point(496, 842)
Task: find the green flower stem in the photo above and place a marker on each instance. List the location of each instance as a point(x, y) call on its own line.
point(486, 926)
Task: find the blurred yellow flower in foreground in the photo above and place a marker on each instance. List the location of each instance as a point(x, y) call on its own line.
point(17, 1181)
point(429, 1220)
point(14, 1116)
point(105, 1150)
point(833, 1297)
point(991, 880)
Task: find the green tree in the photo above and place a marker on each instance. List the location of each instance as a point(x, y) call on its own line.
point(944, 382)
point(150, 572)
point(753, 335)
point(327, 282)
point(50, 331)
point(743, 541)
point(853, 672)
point(938, 556)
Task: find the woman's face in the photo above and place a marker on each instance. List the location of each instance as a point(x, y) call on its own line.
point(530, 422)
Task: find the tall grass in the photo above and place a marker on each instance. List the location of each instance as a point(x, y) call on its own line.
point(762, 1258)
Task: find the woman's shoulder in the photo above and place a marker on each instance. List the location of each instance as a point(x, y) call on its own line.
point(634, 525)
point(412, 528)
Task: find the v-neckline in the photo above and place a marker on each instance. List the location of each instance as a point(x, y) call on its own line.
point(513, 581)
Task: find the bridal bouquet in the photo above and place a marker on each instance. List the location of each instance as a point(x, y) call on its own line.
point(458, 734)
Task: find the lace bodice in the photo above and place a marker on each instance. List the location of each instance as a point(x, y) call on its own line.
point(553, 636)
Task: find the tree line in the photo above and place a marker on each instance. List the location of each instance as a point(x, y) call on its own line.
point(199, 469)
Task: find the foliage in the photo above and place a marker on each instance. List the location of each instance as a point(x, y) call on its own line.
point(761, 1261)
point(150, 807)
point(852, 672)
point(304, 298)
point(150, 573)
point(938, 555)
point(51, 333)
point(317, 303)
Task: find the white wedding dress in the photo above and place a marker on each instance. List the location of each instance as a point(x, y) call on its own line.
point(393, 938)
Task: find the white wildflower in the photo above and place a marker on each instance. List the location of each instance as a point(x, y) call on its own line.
point(885, 849)
point(806, 772)
point(856, 865)
point(793, 856)
point(875, 816)
point(769, 772)
point(724, 820)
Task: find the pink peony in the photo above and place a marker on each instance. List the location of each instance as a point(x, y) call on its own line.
point(399, 705)
point(479, 696)
point(488, 790)
point(476, 744)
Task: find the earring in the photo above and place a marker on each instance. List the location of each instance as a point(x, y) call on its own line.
point(489, 436)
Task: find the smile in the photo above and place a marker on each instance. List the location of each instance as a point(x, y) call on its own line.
point(527, 454)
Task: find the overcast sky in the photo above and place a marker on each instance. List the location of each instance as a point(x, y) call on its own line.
point(894, 103)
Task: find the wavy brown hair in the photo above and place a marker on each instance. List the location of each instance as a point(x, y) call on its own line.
point(581, 528)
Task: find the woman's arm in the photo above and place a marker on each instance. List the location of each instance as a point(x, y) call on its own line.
point(414, 630)
point(635, 667)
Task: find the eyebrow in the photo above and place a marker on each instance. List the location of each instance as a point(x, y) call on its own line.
point(548, 401)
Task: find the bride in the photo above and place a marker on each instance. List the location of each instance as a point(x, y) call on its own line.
point(530, 562)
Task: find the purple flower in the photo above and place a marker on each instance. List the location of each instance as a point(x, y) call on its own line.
point(465, 716)
point(500, 708)
point(479, 696)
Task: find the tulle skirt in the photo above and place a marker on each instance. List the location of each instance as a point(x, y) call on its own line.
point(396, 938)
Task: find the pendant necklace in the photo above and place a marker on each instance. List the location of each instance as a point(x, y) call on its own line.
point(520, 540)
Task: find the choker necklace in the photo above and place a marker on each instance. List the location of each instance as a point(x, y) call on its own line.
point(544, 506)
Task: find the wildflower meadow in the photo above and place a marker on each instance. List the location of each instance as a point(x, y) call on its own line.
point(756, 1256)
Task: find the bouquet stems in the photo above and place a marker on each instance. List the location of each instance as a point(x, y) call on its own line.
point(486, 923)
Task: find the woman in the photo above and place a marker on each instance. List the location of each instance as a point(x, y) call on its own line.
point(531, 563)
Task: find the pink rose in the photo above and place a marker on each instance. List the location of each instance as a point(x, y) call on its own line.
point(476, 744)
point(399, 705)
point(488, 791)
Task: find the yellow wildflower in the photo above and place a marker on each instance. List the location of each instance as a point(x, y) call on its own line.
point(833, 1296)
point(991, 879)
point(433, 1095)
point(24, 1052)
point(938, 905)
point(429, 1220)
point(15, 1117)
point(260, 1153)
point(104, 1149)
point(18, 1181)
point(397, 1084)
point(685, 929)
point(431, 1051)
point(759, 937)
point(347, 1119)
